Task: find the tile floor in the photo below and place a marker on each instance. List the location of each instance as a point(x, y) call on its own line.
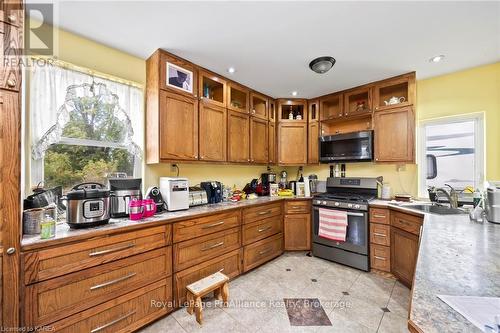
point(354, 301)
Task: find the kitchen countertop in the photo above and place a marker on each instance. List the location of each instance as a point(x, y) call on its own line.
point(456, 257)
point(65, 234)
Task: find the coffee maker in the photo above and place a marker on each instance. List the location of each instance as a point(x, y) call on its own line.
point(267, 179)
point(214, 191)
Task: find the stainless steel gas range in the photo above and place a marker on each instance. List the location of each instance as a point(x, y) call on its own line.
point(352, 196)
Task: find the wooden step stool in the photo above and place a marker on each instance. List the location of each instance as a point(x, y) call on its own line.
point(216, 282)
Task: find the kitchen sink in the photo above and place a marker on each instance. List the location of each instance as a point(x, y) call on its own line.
point(440, 210)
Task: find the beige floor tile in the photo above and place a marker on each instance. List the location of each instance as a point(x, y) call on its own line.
point(392, 323)
point(164, 325)
point(374, 288)
point(360, 311)
point(340, 324)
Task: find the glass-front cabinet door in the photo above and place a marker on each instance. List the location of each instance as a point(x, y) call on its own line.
point(358, 101)
point(258, 105)
point(212, 88)
point(238, 97)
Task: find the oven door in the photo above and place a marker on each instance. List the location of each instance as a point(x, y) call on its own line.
point(357, 232)
point(357, 146)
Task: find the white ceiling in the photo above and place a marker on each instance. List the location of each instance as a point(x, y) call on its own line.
point(271, 43)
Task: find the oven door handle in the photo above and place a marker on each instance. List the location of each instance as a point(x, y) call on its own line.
point(355, 214)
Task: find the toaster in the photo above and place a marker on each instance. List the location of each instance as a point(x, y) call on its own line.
point(197, 196)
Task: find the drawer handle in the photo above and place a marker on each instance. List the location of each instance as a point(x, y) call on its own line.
point(111, 323)
point(109, 283)
point(403, 222)
point(266, 212)
point(380, 258)
point(264, 229)
point(221, 270)
point(212, 246)
point(119, 248)
point(379, 234)
point(264, 252)
point(213, 225)
point(296, 207)
point(379, 216)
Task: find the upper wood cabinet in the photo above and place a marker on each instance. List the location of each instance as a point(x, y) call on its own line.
point(292, 110)
point(395, 92)
point(331, 107)
point(10, 44)
point(292, 143)
point(258, 105)
point(212, 88)
point(358, 101)
point(272, 141)
point(238, 137)
point(394, 135)
point(272, 110)
point(11, 12)
point(313, 113)
point(178, 75)
point(178, 127)
point(259, 152)
point(313, 143)
point(213, 133)
point(238, 97)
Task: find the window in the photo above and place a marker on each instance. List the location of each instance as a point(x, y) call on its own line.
point(82, 127)
point(451, 152)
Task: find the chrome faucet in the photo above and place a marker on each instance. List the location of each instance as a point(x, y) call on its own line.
point(452, 196)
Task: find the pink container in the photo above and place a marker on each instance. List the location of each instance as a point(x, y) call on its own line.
point(149, 207)
point(135, 210)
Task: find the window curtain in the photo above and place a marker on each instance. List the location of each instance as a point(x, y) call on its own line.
point(47, 91)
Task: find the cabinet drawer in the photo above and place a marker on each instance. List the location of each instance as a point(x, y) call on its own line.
point(229, 264)
point(258, 230)
point(197, 250)
point(261, 212)
point(262, 251)
point(123, 314)
point(206, 225)
point(380, 257)
point(406, 222)
point(380, 215)
point(63, 296)
point(297, 207)
point(44, 264)
point(380, 234)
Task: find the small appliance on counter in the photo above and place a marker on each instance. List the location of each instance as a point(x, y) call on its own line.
point(214, 191)
point(493, 202)
point(123, 190)
point(175, 192)
point(155, 194)
point(197, 196)
point(313, 182)
point(88, 205)
point(267, 179)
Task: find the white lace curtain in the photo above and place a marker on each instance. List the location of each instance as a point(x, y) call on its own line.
point(47, 92)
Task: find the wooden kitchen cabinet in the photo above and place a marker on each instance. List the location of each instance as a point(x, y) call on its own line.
point(394, 135)
point(238, 97)
point(297, 229)
point(272, 111)
point(212, 88)
point(272, 141)
point(358, 101)
point(178, 127)
point(331, 106)
point(313, 143)
point(402, 87)
point(238, 137)
point(259, 152)
point(258, 105)
point(10, 44)
point(292, 143)
point(404, 251)
point(213, 132)
point(11, 12)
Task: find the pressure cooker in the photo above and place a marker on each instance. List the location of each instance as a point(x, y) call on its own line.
point(87, 205)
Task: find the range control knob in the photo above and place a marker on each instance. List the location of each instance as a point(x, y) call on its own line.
point(324, 202)
point(317, 202)
point(337, 204)
point(349, 205)
point(356, 206)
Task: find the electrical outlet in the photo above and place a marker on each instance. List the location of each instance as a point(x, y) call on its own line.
point(173, 167)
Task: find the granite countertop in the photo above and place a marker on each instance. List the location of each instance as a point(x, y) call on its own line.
point(456, 257)
point(65, 234)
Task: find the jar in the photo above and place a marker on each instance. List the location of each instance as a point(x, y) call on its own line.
point(135, 210)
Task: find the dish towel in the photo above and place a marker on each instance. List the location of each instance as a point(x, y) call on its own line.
point(332, 224)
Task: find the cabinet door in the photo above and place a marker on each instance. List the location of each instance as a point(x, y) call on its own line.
point(292, 143)
point(404, 250)
point(258, 105)
point(394, 135)
point(238, 135)
point(10, 44)
point(272, 110)
point(212, 88)
point(312, 143)
point(358, 101)
point(258, 140)
point(213, 122)
point(401, 90)
point(331, 107)
point(272, 142)
point(178, 127)
point(178, 76)
point(11, 12)
point(237, 98)
point(297, 232)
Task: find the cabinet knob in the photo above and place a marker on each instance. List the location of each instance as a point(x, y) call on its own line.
point(340, 114)
point(248, 160)
point(202, 157)
point(12, 18)
point(10, 251)
point(11, 83)
point(195, 156)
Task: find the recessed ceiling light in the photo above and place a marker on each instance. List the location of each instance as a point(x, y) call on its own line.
point(322, 65)
point(294, 93)
point(231, 70)
point(437, 58)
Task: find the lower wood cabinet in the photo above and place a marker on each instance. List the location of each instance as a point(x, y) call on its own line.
point(213, 132)
point(262, 251)
point(380, 257)
point(297, 230)
point(229, 264)
point(238, 137)
point(258, 230)
point(122, 314)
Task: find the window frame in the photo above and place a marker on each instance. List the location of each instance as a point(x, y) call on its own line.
point(479, 144)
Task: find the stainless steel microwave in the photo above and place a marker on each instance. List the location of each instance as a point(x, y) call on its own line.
point(348, 147)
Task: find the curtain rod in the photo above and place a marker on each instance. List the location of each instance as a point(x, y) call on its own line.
point(91, 72)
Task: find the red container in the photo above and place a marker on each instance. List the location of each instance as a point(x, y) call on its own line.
point(148, 207)
point(135, 210)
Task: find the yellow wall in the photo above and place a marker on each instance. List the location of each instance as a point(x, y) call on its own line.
point(476, 89)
